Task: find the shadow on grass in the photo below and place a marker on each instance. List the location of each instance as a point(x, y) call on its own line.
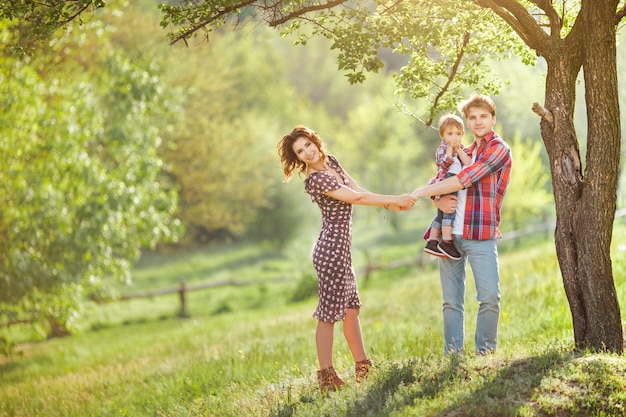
point(502, 390)
point(556, 381)
point(7, 366)
point(488, 390)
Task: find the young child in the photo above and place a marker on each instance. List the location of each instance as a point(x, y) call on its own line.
point(449, 157)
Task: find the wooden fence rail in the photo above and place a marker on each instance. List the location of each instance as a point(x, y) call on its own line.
point(183, 288)
point(421, 259)
point(370, 267)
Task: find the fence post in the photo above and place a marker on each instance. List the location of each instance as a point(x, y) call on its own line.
point(183, 300)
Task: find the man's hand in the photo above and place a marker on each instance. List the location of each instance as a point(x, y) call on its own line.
point(447, 203)
point(405, 202)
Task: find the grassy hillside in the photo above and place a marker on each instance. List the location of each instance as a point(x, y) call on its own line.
point(249, 351)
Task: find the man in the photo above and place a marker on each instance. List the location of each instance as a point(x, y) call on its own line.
point(481, 188)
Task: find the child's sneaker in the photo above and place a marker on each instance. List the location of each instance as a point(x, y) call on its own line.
point(431, 247)
point(449, 250)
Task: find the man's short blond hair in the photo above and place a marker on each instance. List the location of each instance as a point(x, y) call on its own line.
point(478, 100)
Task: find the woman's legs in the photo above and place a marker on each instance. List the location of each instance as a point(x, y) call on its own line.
point(327, 377)
point(351, 331)
point(353, 335)
point(324, 343)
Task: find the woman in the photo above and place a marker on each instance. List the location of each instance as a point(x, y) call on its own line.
point(332, 188)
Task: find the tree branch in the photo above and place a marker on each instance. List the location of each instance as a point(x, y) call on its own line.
point(402, 108)
point(387, 7)
point(224, 11)
point(556, 21)
point(522, 22)
point(542, 112)
point(619, 15)
point(305, 10)
point(61, 23)
point(453, 72)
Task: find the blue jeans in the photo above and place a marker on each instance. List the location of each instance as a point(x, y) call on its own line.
point(443, 219)
point(483, 258)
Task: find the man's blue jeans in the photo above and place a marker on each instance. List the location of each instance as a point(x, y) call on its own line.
point(483, 259)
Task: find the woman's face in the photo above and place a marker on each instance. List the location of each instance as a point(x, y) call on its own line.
point(306, 151)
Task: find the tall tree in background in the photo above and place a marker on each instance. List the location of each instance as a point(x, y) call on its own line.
point(446, 42)
point(82, 185)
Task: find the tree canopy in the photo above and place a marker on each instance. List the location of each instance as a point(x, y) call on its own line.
point(438, 40)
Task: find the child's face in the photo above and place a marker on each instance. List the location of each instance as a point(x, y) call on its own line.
point(452, 135)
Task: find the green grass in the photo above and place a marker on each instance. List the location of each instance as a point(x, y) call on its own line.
point(249, 351)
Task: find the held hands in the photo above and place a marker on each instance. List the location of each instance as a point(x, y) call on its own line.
point(404, 202)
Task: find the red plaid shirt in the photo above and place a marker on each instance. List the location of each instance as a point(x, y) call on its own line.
point(486, 181)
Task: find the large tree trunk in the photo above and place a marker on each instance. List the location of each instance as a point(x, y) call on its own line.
point(586, 201)
point(594, 219)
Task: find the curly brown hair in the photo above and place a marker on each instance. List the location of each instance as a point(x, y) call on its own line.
point(288, 157)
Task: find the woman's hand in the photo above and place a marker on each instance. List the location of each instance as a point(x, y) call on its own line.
point(404, 202)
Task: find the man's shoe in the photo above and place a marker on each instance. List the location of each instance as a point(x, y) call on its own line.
point(431, 247)
point(484, 352)
point(449, 250)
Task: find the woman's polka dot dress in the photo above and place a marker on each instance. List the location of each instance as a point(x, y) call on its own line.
point(331, 256)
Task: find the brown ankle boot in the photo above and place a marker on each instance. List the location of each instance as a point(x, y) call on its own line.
point(329, 380)
point(361, 369)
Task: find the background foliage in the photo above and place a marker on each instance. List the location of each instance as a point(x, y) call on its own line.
point(113, 142)
point(83, 190)
point(115, 125)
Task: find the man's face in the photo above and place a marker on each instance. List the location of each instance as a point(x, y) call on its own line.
point(480, 121)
